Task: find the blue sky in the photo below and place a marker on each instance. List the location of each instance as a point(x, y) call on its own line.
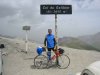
point(14, 14)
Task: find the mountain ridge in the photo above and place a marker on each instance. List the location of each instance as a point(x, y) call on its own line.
point(89, 42)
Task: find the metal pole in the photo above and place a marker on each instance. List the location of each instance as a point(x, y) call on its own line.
point(56, 37)
point(26, 42)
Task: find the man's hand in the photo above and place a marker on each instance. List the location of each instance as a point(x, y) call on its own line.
point(45, 47)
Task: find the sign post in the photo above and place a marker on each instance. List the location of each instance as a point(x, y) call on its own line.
point(56, 31)
point(26, 28)
point(55, 9)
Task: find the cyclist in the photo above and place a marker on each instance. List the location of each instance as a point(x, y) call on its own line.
point(50, 42)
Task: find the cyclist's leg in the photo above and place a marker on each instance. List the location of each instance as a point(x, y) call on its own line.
point(49, 53)
point(53, 49)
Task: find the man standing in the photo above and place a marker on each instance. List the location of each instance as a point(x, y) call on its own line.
point(50, 42)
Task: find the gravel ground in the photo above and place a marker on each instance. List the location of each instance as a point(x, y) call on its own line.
point(19, 63)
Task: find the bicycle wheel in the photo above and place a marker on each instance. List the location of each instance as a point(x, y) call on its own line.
point(63, 61)
point(40, 61)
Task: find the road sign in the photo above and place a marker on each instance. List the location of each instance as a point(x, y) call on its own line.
point(26, 27)
point(56, 9)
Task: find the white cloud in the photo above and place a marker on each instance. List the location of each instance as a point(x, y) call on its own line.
point(16, 13)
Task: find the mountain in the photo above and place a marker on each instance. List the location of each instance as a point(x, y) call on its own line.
point(93, 40)
point(7, 36)
point(75, 43)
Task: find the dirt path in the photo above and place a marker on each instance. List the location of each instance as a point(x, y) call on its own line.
point(19, 63)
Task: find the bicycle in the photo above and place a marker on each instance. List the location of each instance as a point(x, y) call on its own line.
point(61, 60)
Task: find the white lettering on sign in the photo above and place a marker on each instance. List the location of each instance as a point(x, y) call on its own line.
point(62, 7)
point(45, 7)
point(51, 7)
point(57, 11)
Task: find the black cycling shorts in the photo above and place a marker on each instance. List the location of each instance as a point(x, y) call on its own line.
point(49, 49)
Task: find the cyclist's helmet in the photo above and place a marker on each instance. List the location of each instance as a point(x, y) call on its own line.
point(39, 50)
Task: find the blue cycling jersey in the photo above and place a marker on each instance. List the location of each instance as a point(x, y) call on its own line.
point(50, 41)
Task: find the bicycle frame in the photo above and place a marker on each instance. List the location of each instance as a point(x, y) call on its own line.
point(55, 56)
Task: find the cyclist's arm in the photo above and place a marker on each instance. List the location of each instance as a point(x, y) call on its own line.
point(55, 43)
point(45, 41)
